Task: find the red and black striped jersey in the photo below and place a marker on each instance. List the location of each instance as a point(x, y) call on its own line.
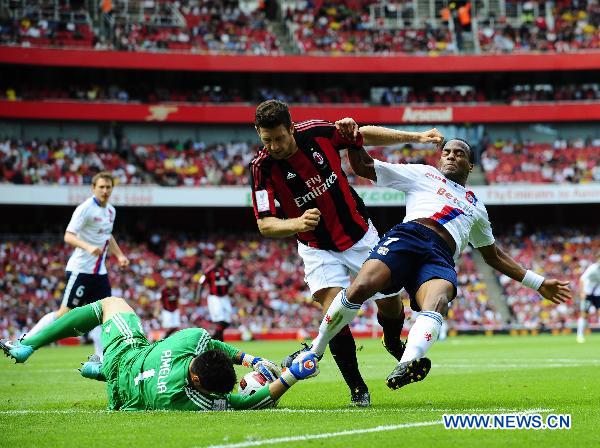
point(218, 280)
point(312, 177)
point(169, 298)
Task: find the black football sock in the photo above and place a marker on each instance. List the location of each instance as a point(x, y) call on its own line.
point(219, 331)
point(392, 328)
point(343, 349)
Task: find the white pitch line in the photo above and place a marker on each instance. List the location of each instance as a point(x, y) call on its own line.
point(16, 412)
point(328, 435)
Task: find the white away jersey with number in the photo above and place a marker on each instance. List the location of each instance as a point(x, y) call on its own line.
point(431, 195)
point(93, 224)
point(591, 280)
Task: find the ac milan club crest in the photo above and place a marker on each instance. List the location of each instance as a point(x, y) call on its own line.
point(318, 158)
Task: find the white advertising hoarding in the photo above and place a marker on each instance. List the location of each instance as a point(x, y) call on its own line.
point(153, 196)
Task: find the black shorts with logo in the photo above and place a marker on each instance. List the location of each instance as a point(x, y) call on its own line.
point(82, 289)
point(593, 300)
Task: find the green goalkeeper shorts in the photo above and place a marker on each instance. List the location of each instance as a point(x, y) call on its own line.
point(123, 339)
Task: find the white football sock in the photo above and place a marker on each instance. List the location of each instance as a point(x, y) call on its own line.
point(443, 331)
point(96, 336)
point(581, 328)
point(340, 313)
point(43, 323)
point(422, 335)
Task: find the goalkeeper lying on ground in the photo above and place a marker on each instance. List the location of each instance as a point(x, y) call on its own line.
point(187, 371)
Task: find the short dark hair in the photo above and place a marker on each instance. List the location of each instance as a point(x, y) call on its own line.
point(215, 371)
point(471, 154)
point(272, 113)
point(103, 175)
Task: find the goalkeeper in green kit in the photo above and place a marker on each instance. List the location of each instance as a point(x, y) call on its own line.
point(188, 371)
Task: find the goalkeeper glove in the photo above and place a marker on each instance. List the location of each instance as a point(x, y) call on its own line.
point(269, 370)
point(305, 365)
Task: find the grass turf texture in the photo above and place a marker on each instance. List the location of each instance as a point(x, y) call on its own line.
point(45, 403)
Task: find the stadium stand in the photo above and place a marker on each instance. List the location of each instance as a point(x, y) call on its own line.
point(561, 252)
point(70, 162)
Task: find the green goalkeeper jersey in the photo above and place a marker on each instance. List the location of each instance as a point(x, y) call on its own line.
point(155, 376)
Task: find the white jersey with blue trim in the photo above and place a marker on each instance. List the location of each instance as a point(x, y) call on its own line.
point(429, 194)
point(591, 280)
point(93, 224)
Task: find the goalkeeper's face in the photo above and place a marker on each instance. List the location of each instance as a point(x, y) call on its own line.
point(212, 372)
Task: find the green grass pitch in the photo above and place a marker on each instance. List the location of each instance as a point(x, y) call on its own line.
point(45, 403)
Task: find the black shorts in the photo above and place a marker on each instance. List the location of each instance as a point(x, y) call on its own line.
point(82, 289)
point(593, 300)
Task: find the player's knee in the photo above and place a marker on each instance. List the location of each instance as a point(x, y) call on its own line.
point(360, 290)
point(438, 304)
point(113, 300)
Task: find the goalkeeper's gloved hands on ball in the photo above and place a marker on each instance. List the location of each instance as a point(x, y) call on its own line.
point(304, 366)
point(268, 368)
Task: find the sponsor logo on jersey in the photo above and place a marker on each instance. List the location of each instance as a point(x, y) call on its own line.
point(436, 177)
point(290, 176)
point(464, 207)
point(317, 186)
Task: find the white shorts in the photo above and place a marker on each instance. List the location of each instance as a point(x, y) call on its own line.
point(329, 269)
point(170, 319)
point(219, 308)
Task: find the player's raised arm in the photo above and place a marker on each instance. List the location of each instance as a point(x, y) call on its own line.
point(555, 290)
point(382, 136)
point(362, 163)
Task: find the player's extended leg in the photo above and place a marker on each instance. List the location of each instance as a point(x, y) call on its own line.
point(581, 321)
point(432, 297)
point(390, 315)
point(47, 320)
point(343, 350)
point(374, 276)
point(74, 323)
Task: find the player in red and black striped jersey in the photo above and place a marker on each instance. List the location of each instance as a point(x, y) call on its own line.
point(300, 167)
point(219, 280)
point(168, 310)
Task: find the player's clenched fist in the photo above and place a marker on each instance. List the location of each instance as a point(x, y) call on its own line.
point(309, 220)
point(432, 136)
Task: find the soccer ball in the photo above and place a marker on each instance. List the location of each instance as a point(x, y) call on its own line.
point(251, 382)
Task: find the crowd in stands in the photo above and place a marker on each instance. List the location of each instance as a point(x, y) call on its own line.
point(196, 164)
point(315, 26)
point(560, 253)
point(396, 95)
point(185, 25)
point(70, 162)
point(346, 27)
point(571, 26)
point(268, 290)
point(575, 161)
